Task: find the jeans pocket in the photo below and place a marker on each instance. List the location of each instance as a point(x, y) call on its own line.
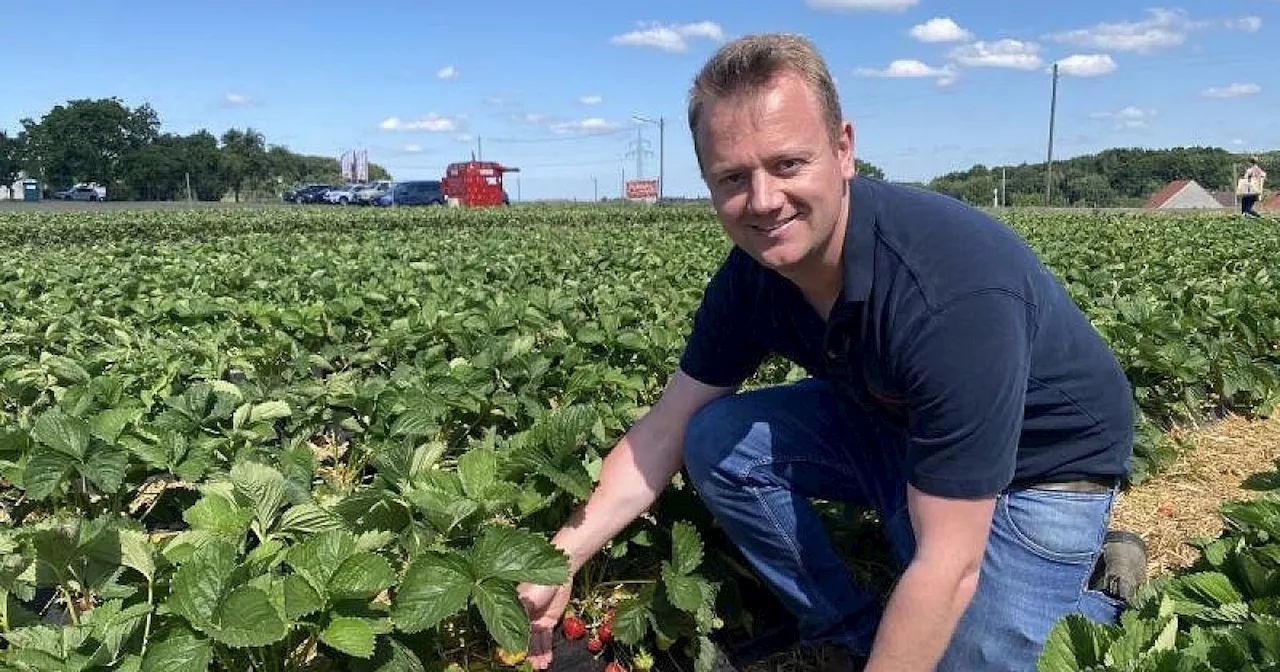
point(1065, 527)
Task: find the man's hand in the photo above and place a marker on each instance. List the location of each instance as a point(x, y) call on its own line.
point(545, 605)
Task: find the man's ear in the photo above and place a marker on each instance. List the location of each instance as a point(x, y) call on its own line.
point(845, 149)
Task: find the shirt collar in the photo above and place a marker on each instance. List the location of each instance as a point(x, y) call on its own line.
point(859, 243)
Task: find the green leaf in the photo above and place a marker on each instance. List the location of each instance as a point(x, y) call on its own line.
point(264, 487)
point(309, 518)
point(46, 470)
point(64, 433)
point(109, 424)
point(65, 369)
point(319, 556)
point(391, 656)
point(352, 636)
point(105, 468)
point(218, 514)
point(1074, 644)
point(435, 586)
point(247, 618)
point(137, 553)
point(179, 651)
point(683, 591)
point(1213, 589)
point(518, 555)
point(686, 548)
point(300, 599)
point(197, 586)
point(504, 616)
point(478, 469)
point(631, 620)
point(361, 575)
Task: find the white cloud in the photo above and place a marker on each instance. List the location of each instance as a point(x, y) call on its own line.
point(589, 125)
point(1006, 53)
point(1232, 91)
point(941, 29)
point(591, 100)
point(534, 118)
point(1129, 117)
point(432, 122)
point(1249, 24)
point(236, 99)
point(856, 5)
point(1163, 28)
point(447, 72)
point(1237, 142)
point(909, 68)
point(1087, 65)
point(412, 149)
point(673, 37)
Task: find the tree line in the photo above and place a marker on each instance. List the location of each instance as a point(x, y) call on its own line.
point(1124, 177)
point(124, 149)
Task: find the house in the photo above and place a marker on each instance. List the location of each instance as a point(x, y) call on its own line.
point(1227, 199)
point(1183, 195)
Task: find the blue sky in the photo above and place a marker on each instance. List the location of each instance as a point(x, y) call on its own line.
point(551, 86)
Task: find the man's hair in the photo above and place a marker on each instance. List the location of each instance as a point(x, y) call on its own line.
point(1253, 159)
point(747, 64)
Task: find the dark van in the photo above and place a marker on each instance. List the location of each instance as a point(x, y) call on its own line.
point(419, 192)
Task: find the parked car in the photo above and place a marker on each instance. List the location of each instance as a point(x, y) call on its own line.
point(312, 193)
point(418, 192)
point(344, 195)
point(83, 192)
point(370, 193)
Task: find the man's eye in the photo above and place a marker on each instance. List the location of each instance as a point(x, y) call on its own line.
point(731, 179)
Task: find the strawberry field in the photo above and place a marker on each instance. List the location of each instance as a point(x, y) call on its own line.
point(337, 440)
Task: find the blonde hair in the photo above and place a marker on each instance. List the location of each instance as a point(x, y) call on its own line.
point(747, 64)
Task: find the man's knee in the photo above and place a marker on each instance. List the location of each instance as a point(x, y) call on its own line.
point(705, 436)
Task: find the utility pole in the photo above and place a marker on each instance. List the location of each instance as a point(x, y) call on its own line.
point(479, 149)
point(662, 147)
point(1004, 186)
point(595, 189)
point(189, 187)
point(1053, 108)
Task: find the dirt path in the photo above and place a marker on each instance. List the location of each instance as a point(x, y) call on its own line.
point(1182, 502)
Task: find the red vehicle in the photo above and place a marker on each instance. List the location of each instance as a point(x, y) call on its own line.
point(476, 183)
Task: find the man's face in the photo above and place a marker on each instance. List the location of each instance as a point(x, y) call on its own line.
point(776, 181)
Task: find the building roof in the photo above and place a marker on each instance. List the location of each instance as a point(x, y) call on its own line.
point(1169, 191)
point(1226, 198)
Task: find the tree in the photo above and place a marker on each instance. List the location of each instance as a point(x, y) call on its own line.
point(86, 140)
point(10, 160)
point(863, 167)
point(244, 159)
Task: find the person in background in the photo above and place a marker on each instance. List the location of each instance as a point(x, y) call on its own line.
point(1256, 177)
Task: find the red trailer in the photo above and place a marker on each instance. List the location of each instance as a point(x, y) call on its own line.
point(476, 183)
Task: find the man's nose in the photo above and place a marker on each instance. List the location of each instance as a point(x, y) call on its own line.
point(766, 194)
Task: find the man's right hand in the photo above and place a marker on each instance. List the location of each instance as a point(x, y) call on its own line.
point(545, 605)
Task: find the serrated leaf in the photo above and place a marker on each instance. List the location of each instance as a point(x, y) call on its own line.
point(137, 553)
point(477, 469)
point(309, 518)
point(686, 548)
point(46, 471)
point(319, 556)
point(504, 616)
point(1074, 644)
point(198, 585)
point(105, 468)
point(216, 513)
point(300, 599)
point(435, 586)
point(109, 424)
point(269, 410)
point(65, 369)
point(683, 591)
point(352, 636)
point(264, 487)
point(518, 555)
point(64, 433)
point(391, 656)
point(361, 575)
point(631, 620)
point(247, 618)
point(1213, 589)
point(181, 652)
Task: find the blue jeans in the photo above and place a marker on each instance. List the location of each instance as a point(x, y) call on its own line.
point(757, 458)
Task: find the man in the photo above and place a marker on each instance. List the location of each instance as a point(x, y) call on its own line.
point(1255, 177)
point(955, 388)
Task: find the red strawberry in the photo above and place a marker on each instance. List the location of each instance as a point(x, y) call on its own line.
point(614, 667)
point(573, 627)
point(605, 633)
point(594, 645)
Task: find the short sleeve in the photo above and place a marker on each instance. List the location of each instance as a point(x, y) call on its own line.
point(721, 349)
point(966, 368)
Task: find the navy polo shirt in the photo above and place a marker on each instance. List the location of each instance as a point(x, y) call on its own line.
point(949, 328)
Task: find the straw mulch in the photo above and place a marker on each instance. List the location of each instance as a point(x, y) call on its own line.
point(1181, 503)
